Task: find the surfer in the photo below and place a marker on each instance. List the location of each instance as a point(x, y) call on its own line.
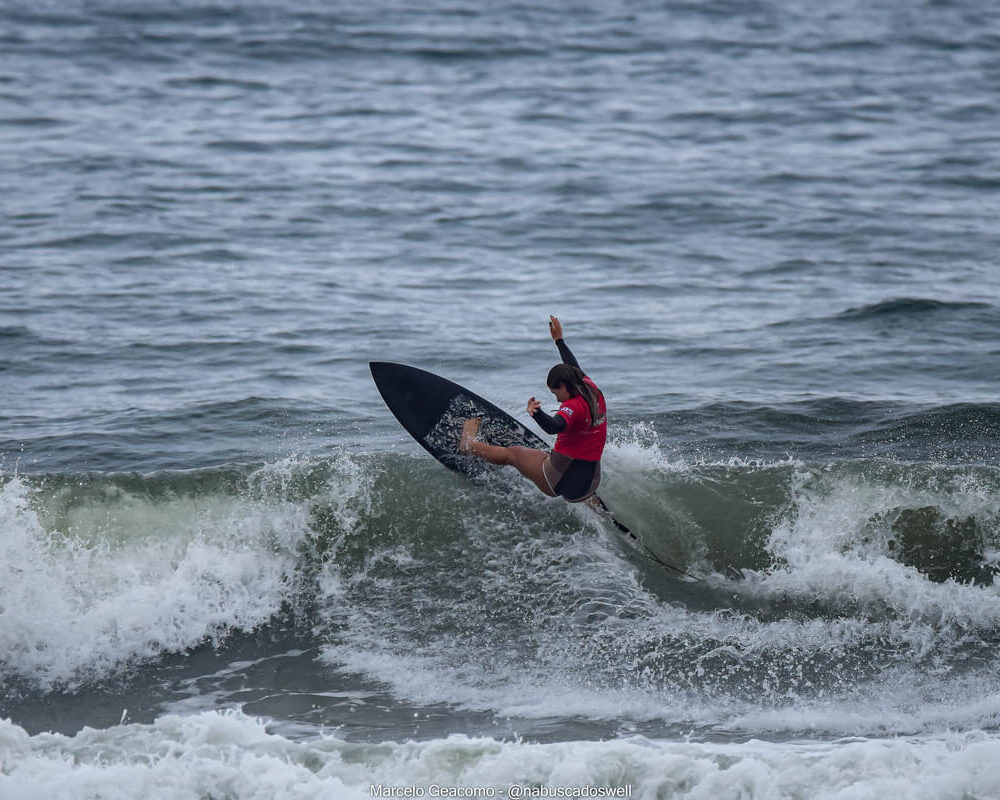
point(573, 469)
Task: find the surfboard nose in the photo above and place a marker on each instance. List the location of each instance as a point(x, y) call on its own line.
point(416, 397)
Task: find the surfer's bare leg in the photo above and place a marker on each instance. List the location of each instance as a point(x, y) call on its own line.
point(526, 460)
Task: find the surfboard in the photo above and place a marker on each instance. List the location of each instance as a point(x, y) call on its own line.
point(432, 409)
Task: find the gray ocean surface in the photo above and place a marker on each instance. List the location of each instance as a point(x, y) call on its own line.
point(771, 230)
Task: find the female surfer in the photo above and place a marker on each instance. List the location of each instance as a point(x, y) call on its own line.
point(573, 469)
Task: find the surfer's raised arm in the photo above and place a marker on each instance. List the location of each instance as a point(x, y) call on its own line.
point(556, 331)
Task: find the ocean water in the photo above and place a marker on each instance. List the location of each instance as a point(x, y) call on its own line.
point(770, 229)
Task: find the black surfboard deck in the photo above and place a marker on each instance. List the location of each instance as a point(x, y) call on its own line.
point(432, 409)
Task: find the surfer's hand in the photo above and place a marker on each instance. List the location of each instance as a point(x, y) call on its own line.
point(555, 328)
point(533, 406)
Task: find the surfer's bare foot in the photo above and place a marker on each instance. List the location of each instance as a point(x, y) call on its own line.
point(470, 430)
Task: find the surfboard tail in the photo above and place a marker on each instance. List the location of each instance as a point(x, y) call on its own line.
point(646, 551)
point(604, 507)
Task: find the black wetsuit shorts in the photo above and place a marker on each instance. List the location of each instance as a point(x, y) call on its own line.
point(571, 478)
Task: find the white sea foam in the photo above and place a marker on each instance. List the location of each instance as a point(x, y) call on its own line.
point(563, 682)
point(89, 591)
point(226, 754)
point(827, 550)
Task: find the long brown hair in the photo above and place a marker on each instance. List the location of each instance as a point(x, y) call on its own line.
point(572, 378)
